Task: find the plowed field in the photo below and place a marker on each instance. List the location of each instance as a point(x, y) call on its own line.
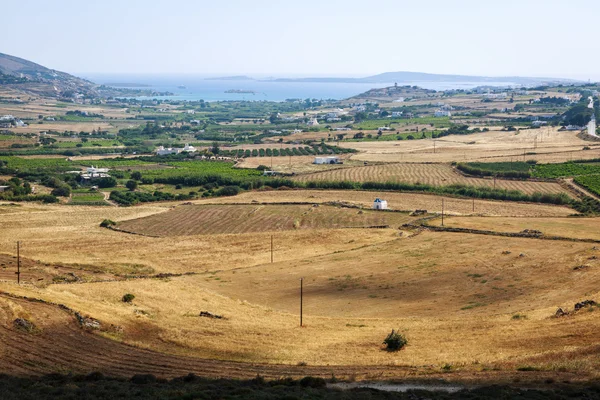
point(432, 174)
point(220, 219)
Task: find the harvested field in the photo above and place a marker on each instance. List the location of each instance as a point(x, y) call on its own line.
point(578, 228)
point(220, 219)
point(495, 145)
point(398, 201)
point(431, 174)
point(443, 290)
point(42, 274)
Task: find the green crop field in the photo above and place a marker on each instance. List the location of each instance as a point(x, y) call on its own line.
point(590, 182)
point(91, 143)
point(501, 166)
point(84, 197)
point(38, 164)
point(441, 122)
point(182, 169)
point(565, 169)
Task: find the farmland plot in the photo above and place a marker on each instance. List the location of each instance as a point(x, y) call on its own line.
point(226, 219)
point(432, 174)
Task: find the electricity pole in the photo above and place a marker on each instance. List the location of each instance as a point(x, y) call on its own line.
point(18, 263)
point(442, 211)
point(301, 290)
point(271, 249)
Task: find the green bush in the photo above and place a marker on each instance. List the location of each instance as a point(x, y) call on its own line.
point(128, 298)
point(107, 222)
point(395, 341)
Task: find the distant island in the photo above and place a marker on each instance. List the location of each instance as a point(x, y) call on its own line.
point(127, 85)
point(240, 91)
point(409, 77)
point(231, 78)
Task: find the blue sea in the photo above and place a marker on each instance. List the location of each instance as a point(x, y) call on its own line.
point(198, 87)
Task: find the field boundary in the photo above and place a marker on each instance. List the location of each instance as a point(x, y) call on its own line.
point(527, 235)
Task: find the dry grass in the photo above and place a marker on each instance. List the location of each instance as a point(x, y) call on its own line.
point(454, 303)
point(579, 228)
point(432, 174)
point(552, 146)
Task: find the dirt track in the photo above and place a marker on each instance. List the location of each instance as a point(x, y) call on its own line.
point(63, 346)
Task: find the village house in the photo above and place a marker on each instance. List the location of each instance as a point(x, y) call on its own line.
point(327, 160)
point(162, 151)
point(379, 204)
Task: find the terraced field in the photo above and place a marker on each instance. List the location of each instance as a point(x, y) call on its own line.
point(432, 174)
point(220, 219)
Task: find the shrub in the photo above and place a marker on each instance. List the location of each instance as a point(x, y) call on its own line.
point(64, 191)
point(228, 191)
point(128, 298)
point(131, 185)
point(107, 222)
point(395, 341)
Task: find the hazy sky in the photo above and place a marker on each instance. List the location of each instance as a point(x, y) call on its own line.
point(308, 37)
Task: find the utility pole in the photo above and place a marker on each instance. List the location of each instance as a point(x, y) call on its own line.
point(494, 182)
point(473, 204)
point(18, 263)
point(301, 294)
point(271, 249)
point(442, 211)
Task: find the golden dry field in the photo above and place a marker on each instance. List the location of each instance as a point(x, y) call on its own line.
point(474, 302)
point(431, 174)
point(492, 146)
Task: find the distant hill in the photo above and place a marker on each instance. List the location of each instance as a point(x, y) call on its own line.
point(404, 77)
point(37, 79)
point(29, 77)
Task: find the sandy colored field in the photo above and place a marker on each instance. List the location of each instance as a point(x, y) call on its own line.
point(580, 228)
point(64, 126)
point(72, 235)
point(452, 295)
point(225, 219)
point(398, 201)
point(552, 146)
point(432, 174)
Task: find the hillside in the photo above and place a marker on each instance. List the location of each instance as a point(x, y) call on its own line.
point(37, 79)
point(29, 77)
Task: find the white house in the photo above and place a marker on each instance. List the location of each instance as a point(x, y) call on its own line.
point(442, 113)
point(379, 204)
point(539, 123)
point(313, 122)
point(327, 160)
point(94, 170)
point(396, 114)
point(334, 119)
point(191, 112)
point(162, 151)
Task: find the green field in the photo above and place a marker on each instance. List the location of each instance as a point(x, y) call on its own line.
point(566, 169)
point(85, 197)
point(90, 143)
point(590, 182)
point(501, 166)
point(373, 124)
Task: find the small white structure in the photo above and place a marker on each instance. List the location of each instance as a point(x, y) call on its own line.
point(443, 113)
point(312, 122)
point(3, 188)
point(94, 170)
point(327, 160)
point(379, 204)
point(162, 151)
point(396, 114)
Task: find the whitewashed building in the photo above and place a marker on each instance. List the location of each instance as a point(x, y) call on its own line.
point(327, 160)
point(380, 204)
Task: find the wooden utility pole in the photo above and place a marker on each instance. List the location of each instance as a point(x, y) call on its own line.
point(442, 211)
point(301, 299)
point(473, 204)
point(434, 147)
point(494, 182)
point(271, 249)
point(18, 263)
